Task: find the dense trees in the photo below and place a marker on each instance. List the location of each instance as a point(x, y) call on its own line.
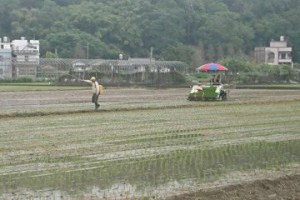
point(175, 28)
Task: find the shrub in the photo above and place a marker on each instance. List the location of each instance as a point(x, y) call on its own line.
point(16, 80)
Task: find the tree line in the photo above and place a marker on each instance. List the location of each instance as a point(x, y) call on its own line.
point(192, 31)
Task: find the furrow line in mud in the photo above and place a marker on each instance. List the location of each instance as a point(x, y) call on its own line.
point(41, 113)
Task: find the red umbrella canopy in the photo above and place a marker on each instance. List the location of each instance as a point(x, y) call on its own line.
point(212, 67)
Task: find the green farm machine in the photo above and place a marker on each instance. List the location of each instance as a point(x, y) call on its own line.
point(212, 91)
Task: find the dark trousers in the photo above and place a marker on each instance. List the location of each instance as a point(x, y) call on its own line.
point(95, 99)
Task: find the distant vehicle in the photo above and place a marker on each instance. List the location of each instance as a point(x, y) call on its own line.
point(212, 91)
point(208, 92)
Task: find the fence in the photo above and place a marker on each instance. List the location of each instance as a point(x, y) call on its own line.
point(132, 71)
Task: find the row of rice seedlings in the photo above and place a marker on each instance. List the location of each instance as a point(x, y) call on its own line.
point(171, 168)
point(174, 162)
point(177, 163)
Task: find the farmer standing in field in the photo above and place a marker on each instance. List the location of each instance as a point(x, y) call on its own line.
point(96, 92)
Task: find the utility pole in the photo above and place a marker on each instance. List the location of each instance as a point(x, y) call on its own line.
point(151, 54)
point(56, 62)
point(87, 50)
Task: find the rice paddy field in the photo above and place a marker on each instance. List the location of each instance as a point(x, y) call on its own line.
point(149, 144)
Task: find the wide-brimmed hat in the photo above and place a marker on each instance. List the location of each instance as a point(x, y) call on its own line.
point(93, 79)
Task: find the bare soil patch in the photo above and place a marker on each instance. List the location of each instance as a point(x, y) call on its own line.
point(41, 103)
point(284, 188)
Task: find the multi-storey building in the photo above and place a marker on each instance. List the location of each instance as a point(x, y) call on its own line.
point(27, 54)
point(19, 57)
point(278, 53)
point(5, 58)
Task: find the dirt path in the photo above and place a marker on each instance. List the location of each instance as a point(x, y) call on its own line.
point(284, 188)
point(63, 102)
point(116, 95)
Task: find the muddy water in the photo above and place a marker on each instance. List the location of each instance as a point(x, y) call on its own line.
point(138, 153)
point(142, 175)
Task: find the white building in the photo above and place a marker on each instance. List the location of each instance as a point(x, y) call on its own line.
point(26, 51)
point(19, 57)
point(278, 53)
point(27, 54)
point(5, 58)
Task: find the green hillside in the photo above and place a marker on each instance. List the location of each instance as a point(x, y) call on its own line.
point(177, 30)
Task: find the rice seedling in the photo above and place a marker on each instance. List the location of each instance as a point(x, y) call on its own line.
point(138, 152)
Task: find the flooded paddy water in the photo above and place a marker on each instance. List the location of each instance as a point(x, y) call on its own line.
point(143, 143)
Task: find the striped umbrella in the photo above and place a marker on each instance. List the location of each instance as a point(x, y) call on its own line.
point(211, 67)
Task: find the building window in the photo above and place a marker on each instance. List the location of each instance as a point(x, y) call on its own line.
point(2, 46)
point(1, 58)
point(1, 71)
point(271, 57)
point(26, 58)
point(283, 56)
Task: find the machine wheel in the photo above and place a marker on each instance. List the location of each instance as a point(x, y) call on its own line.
point(224, 96)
